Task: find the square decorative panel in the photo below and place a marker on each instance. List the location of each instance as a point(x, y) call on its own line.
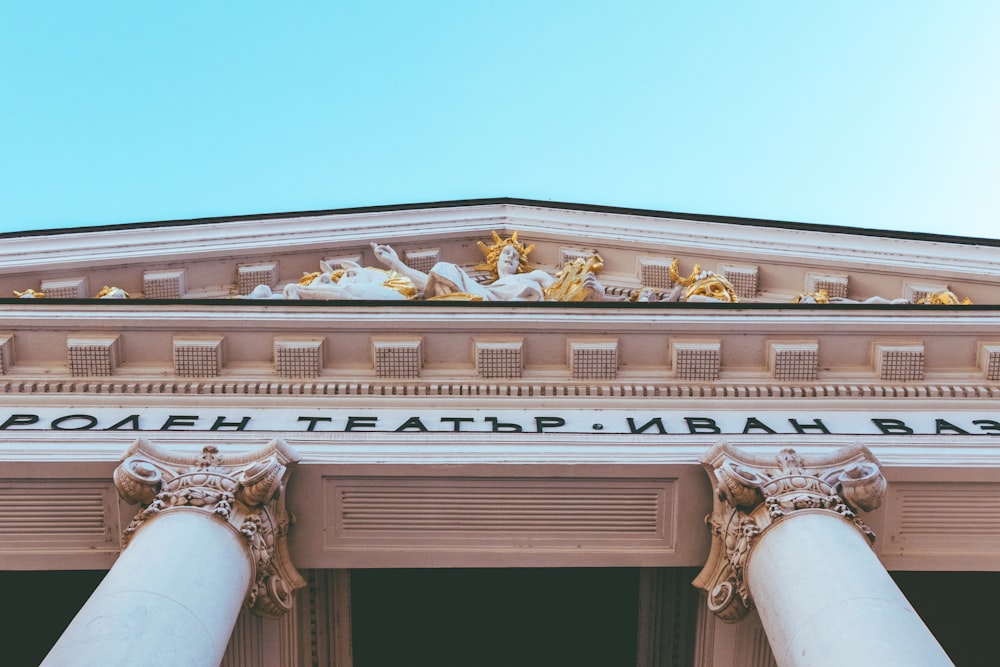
point(593, 360)
point(900, 363)
point(697, 360)
point(6, 353)
point(915, 292)
point(397, 358)
point(793, 361)
point(298, 357)
point(93, 355)
point(422, 260)
point(835, 285)
point(257, 274)
point(198, 357)
point(989, 361)
point(655, 273)
point(164, 284)
point(742, 278)
point(70, 288)
point(499, 359)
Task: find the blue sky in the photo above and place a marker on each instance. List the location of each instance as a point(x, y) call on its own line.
point(882, 115)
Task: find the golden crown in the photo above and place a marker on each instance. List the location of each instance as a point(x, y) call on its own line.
point(492, 253)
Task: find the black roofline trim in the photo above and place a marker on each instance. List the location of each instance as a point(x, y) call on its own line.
point(458, 203)
point(236, 302)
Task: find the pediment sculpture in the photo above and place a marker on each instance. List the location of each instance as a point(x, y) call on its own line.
point(105, 293)
point(513, 279)
point(506, 275)
point(700, 287)
point(943, 298)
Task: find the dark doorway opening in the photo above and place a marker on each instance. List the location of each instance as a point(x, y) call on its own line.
point(959, 608)
point(37, 608)
point(525, 617)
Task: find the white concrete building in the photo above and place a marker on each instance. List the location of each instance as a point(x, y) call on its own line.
point(376, 477)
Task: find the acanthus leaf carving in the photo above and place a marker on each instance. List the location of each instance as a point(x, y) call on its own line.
point(246, 491)
point(754, 492)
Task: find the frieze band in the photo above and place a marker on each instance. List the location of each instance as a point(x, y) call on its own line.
point(610, 422)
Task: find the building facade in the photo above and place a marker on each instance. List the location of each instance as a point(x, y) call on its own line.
point(367, 436)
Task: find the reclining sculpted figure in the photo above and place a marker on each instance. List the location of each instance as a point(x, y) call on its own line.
point(513, 278)
point(353, 282)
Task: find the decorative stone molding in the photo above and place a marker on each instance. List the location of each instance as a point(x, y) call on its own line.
point(6, 353)
point(423, 259)
point(169, 284)
point(833, 285)
point(299, 357)
point(199, 356)
point(67, 288)
point(914, 292)
point(247, 491)
point(989, 360)
point(744, 279)
point(972, 391)
point(655, 272)
point(795, 361)
point(400, 358)
point(251, 275)
point(593, 359)
point(899, 362)
point(499, 358)
point(90, 355)
point(755, 491)
point(696, 360)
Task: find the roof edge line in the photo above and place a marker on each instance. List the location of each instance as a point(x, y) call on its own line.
point(517, 201)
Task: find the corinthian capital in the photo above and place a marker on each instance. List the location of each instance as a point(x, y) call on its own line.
point(246, 491)
point(754, 491)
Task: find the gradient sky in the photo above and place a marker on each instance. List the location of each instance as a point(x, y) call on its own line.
point(883, 114)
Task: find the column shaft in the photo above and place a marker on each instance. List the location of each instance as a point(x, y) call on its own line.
point(824, 598)
point(171, 599)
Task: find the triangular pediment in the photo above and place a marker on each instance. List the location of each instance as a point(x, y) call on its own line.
point(641, 331)
point(767, 262)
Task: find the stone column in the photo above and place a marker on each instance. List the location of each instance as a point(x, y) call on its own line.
point(787, 539)
point(210, 538)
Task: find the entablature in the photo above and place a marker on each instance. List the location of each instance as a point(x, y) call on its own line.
point(659, 350)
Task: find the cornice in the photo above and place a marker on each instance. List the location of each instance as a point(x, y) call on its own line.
point(207, 240)
point(625, 229)
point(232, 311)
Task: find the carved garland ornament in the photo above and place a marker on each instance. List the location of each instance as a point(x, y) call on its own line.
point(755, 491)
point(247, 491)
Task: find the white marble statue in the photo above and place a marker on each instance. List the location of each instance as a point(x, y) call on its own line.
point(112, 293)
point(355, 282)
point(822, 297)
point(513, 279)
point(506, 258)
